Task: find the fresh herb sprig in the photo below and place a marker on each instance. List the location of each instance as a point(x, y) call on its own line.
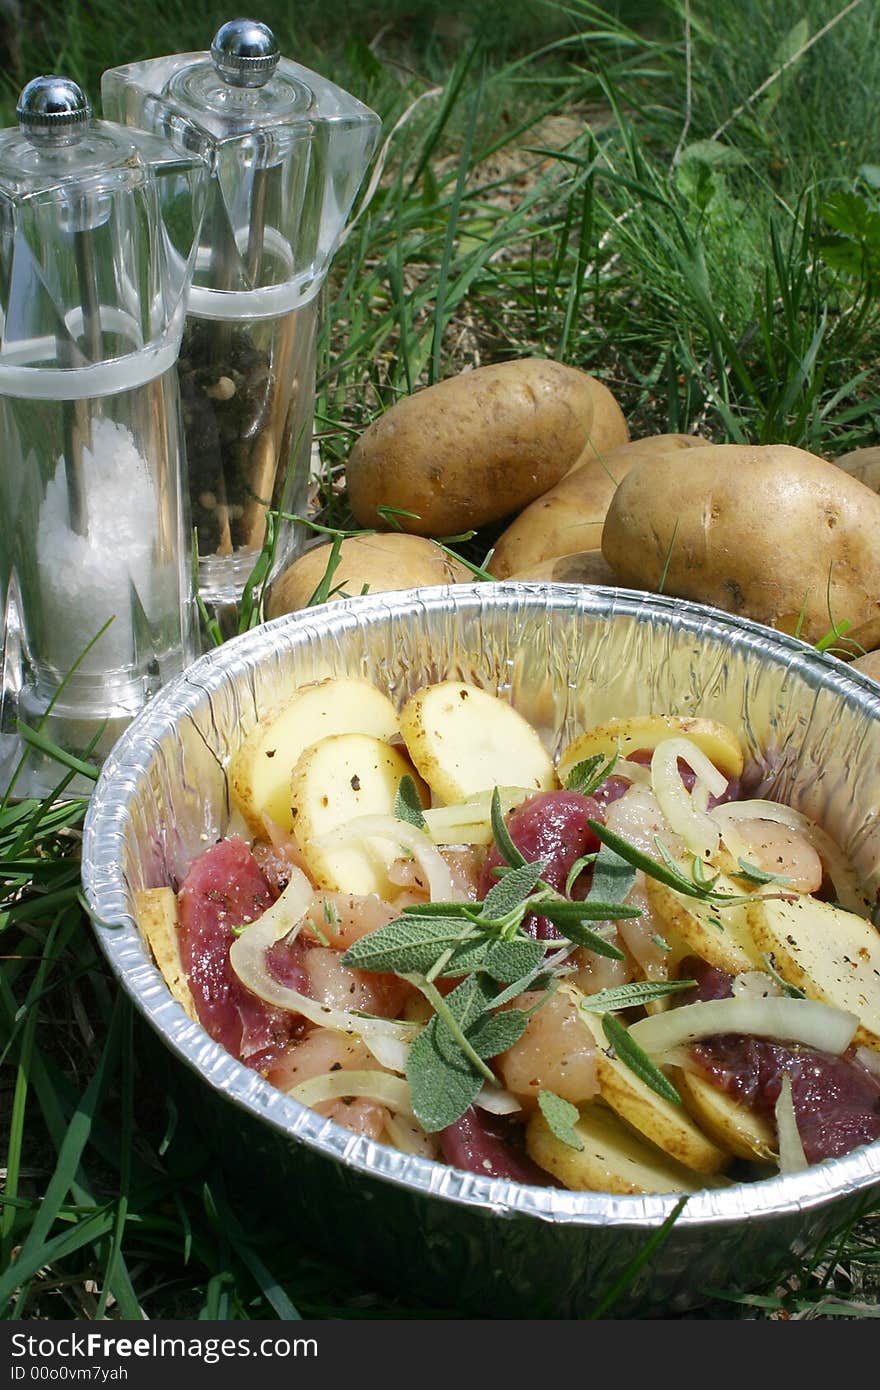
point(585, 777)
point(626, 1050)
point(667, 870)
point(485, 947)
point(631, 996)
point(753, 873)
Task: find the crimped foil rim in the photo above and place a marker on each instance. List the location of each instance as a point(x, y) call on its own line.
point(108, 897)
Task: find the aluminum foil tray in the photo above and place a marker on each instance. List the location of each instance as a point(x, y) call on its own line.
point(568, 657)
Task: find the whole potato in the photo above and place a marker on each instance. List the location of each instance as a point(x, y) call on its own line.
point(379, 563)
point(473, 448)
point(583, 567)
point(858, 640)
point(570, 516)
point(769, 532)
point(869, 664)
point(863, 464)
point(609, 428)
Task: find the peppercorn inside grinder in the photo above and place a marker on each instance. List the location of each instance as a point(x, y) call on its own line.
point(98, 227)
point(288, 150)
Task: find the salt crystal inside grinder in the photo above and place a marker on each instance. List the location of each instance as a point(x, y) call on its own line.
point(94, 546)
point(288, 150)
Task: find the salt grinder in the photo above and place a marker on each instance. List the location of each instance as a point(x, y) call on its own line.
point(97, 236)
point(288, 151)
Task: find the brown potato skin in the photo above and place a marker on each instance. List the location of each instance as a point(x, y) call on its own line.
point(609, 429)
point(863, 464)
point(383, 562)
point(869, 665)
point(569, 518)
point(583, 567)
point(471, 449)
point(753, 529)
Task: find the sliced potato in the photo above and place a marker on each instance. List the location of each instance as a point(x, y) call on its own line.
point(156, 913)
point(625, 736)
point(730, 1124)
point(667, 1125)
point(832, 955)
point(336, 780)
point(259, 773)
point(718, 934)
point(464, 740)
point(614, 1158)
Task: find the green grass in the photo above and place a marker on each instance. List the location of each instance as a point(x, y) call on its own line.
point(557, 188)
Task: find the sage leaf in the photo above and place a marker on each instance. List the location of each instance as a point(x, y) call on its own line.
point(443, 1080)
point(408, 945)
point(407, 805)
point(469, 1000)
point(561, 1117)
point(586, 776)
point(495, 1033)
point(512, 890)
point(613, 877)
point(442, 1084)
point(577, 868)
point(502, 960)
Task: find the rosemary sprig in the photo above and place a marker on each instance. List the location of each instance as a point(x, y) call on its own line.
point(637, 1059)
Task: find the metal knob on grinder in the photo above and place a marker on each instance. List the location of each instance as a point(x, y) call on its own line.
point(245, 53)
point(53, 109)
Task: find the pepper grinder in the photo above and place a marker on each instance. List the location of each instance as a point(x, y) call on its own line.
point(288, 150)
point(98, 228)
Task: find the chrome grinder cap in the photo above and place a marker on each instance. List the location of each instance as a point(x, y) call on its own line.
point(245, 53)
point(53, 109)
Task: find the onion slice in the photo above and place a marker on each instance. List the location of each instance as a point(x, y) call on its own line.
point(699, 831)
point(391, 1091)
point(469, 822)
point(497, 1101)
point(391, 1053)
point(250, 966)
point(869, 1059)
point(280, 919)
point(383, 835)
point(792, 1158)
point(386, 1039)
point(846, 884)
point(788, 1020)
point(758, 984)
point(408, 1136)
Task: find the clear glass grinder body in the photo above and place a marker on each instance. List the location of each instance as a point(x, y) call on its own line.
point(97, 234)
point(288, 150)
